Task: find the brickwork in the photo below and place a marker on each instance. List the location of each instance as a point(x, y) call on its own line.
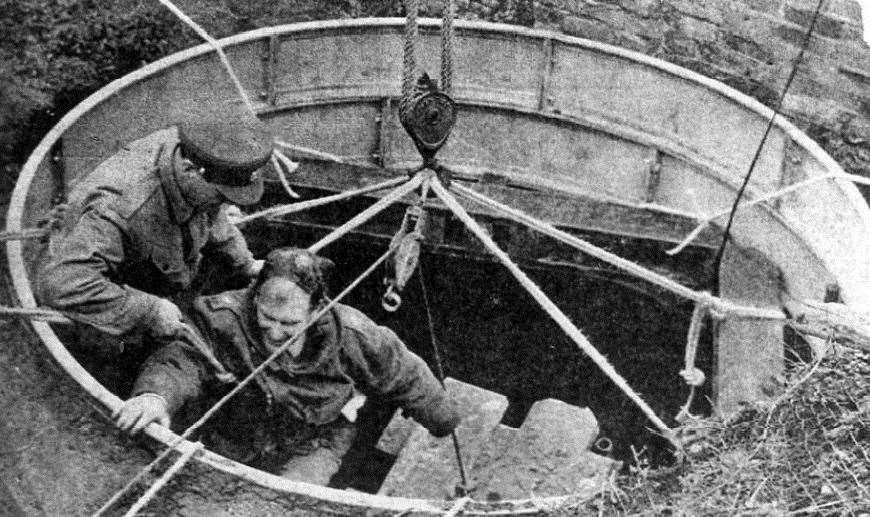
point(751, 46)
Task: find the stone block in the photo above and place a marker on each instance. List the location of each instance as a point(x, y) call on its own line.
point(547, 456)
point(427, 466)
point(396, 434)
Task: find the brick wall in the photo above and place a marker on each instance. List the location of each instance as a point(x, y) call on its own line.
point(749, 45)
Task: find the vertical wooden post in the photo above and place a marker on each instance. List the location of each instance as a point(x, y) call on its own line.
point(748, 352)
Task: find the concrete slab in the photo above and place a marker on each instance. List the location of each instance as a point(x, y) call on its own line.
point(427, 467)
point(396, 434)
point(547, 456)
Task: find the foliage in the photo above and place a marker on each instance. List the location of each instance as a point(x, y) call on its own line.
point(59, 52)
point(805, 452)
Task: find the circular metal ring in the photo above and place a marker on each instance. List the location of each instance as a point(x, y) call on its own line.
point(391, 301)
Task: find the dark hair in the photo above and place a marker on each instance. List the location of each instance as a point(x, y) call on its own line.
point(300, 266)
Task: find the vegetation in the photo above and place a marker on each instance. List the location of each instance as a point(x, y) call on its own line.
point(806, 452)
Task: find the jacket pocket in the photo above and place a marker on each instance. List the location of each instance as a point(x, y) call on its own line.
point(170, 264)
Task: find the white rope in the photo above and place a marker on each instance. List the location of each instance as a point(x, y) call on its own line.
point(549, 307)
point(717, 304)
point(313, 203)
point(312, 153)
point(217, 48)
point(25, 234)
point(161, 482)
point(458, 506)
point(692, 375)
point(277, 160)
point(704, 223)
point(369, 212)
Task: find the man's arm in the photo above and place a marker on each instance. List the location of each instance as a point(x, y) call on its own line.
point(170, 377)
point(227, 240)
point(390, 371)
point(76, 280)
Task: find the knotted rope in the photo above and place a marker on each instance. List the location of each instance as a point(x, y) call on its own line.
point(693, 376)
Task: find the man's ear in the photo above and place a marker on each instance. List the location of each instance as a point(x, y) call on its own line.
point(325, 266)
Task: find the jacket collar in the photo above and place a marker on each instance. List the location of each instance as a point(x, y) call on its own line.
point(321, 340)
point(180, 211)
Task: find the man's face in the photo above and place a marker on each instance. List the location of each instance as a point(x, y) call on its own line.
point(196, 189)
point(283, 308)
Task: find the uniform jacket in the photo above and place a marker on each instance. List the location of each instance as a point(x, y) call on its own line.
point(344, 350)
point(130, 236)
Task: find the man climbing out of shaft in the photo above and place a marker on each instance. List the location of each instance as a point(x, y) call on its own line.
point(137, 227)
point(298, 406)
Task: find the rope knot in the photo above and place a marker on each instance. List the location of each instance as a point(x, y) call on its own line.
point(693, 376)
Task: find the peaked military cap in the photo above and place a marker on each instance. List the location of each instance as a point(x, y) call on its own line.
point(231, 151)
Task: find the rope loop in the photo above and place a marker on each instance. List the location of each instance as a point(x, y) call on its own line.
point(691, 374)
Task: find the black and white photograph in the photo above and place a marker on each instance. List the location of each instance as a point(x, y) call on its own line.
point(435, 258)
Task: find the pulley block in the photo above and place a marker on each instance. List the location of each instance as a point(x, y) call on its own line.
point(428, 116)
point(404, 261)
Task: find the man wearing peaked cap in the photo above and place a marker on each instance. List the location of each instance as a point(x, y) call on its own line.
point(137, 227)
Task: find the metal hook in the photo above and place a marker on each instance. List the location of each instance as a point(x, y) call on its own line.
point(604, 444)
point(391, 301)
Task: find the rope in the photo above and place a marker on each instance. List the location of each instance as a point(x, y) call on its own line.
point(217, 48)
point(213, 409)
point(160, 483)
point(278, 158)
point(368, 213)
point(25, 234)
point(721, 251)
point(767, 197)
point(312, 153)
point(37, 313)
point(305, 205)
point(409, 58)
point(447, 47)
point(693, 376)
point(717, 304)
point(550, 308)
point(463, 477)
point(457, 507)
